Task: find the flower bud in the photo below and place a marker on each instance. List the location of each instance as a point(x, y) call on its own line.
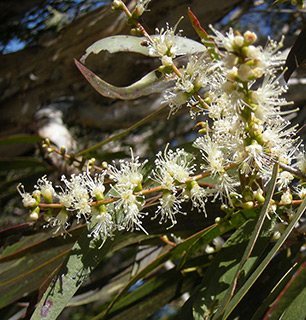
point(249, 37)
point(247, 205)
point(34, 214)
point(117, 5)
point(239, 41)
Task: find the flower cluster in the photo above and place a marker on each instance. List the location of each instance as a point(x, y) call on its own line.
point(245, 130)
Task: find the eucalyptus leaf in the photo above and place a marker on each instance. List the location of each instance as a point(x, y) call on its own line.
point(220, 275)
point(84, 256)
point(153, 82)
point(258, 271)
point(292, 300)
point(252, 241)
point(21, 163)
point(25, 265)
point(139, 45)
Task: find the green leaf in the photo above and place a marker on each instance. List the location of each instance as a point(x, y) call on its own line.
point(122, 43)
point(84, 256)
point(24, 138)
point(292, 300)
point(272, 281)
point(151, 83)
point(218, 279)
point(152, 295)
point(297, 309)
point(25, 265)
point(252, 241)
point(28, 178)
point(254, 276)
point(208, 234)
point(221, 277)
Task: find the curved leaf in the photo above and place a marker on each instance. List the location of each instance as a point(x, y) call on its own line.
point(122, 43)
point(153, 82)
point(153, 295)
point(263, 241)
point(84, 256)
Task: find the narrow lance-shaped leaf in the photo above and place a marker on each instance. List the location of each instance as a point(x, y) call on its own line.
point(289, 305)
point(251, 243)
point(25, 265)
point(20, 138)
point(85, 255)
point(206, 236)
point(153, 82)
point(254, 276)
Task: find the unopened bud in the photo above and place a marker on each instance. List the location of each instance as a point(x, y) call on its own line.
point(117, 5)
point(34, 214)
point(247, 205)
point(239, 41)
point(249, 37)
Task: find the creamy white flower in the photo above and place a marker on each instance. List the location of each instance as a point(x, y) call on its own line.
point(65, 197)
point(176, 163)
point(104, 226)
point(168, 208)
point(45, 187)
point(267, 98)
point(256, 158)
point(198, 196)
point(129, 173)
point(141, 6)
point(95, 185)
point(286, 197)
point(27, 200)
point(76, 194)
point(268, 58)
point(284, 179)
point(211, 153)
point(164, 44)
point(193, 77)
point(227, 41)
point(131, 205)
point(224, 187)
point(60, 222)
